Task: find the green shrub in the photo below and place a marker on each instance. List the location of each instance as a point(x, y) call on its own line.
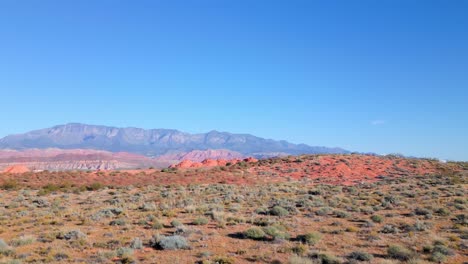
point(399, 252)
point(9, 185)
point(169, 242)
point(157, 225)
point(200, 221)
point(275, 232)
point(279, 211)
point(254, 233)
point(136, 243)
point(360, 256)
point(95, 186)
point(223, 260)
point(310, 238)
point(377, 218)
point(176, 223)
point(5, 250)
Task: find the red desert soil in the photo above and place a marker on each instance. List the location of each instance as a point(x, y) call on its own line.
point(310, 169)
point(15, 169)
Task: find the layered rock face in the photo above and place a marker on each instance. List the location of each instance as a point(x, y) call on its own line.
point(78, 159)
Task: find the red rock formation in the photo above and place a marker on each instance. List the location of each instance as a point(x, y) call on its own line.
point(186, 164)
point(15, 169)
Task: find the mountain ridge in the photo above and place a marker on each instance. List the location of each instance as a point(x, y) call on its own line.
point(153, 142)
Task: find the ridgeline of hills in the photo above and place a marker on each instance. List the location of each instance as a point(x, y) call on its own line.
point(113, 148)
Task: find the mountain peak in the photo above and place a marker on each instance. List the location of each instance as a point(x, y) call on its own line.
point(152, 142)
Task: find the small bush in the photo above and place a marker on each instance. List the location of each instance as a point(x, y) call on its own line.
point(176, 223)
point(399, 252)
point(310, 238)
point(200, 221)
point(275, 233)
point(169, 242)
point(341, 214)
point(377, 218)
point(325, 258)
point(254, 233)
point(279, 211)
point(136, 243)
point(72, 235)
point(223, 260)
point(9, 185)
point(157, 225)
point(95, 186)
point(360, 256)
point(118, 222)
point(22, 241)
point(299, 249)
point(5, 250)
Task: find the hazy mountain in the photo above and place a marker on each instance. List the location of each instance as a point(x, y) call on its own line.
point(153, 142)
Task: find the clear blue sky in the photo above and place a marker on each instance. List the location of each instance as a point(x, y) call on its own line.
point(383, 76)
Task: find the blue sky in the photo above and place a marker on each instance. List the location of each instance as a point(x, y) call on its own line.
point(380, 76)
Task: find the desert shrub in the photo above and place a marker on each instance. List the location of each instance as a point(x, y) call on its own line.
point(176, 223)
point(422, 211)
point(420, 226)
point(442, 249)
point(9, 185)
point(118, 222)
point(279, 211)
point(438, 257)
point(72, 235)
point(461, 219)
point(22, 241)
point(169, 242)
point(157, 225)
point(299, 260)
point(106, 213)
point(262, 221)
point(136, 243)
point(95, 186)
point(40, 203)
point(323, 211)
point(5, 250)
point(299, 249)
point(389, 229)
point(377, 218)
point(399, 252)
point(360, 256)
point(310, 238)
point(442, 211)
point(340, 214)
point(275, 232)
point(325, 258)
point(222, 260)
point(254, 233)
point(391, 199)
point(61, 256)
point(146, 207)
point(200, 221)
point(124, 251)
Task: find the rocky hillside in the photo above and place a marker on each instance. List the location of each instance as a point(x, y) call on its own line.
point(76, 159)
point(87, 159)
point(153, 142)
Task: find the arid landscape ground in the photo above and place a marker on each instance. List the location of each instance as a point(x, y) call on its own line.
point(297, 209)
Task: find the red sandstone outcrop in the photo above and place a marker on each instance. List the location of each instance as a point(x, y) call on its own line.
point(186, 164)
point(16, 169)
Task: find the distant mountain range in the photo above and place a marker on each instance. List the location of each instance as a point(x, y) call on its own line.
point(163, 145)
point(153, 142)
